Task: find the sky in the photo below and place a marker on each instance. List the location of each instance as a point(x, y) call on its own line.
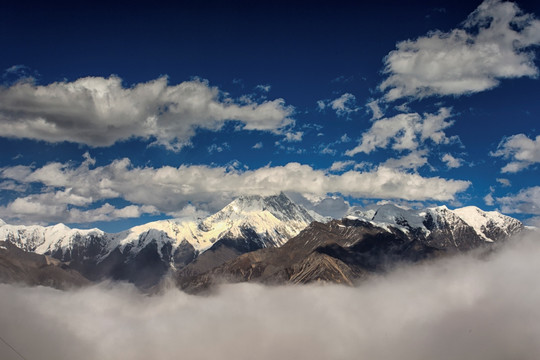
point(113, 115)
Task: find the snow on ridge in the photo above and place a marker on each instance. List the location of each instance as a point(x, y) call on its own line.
point(391, 215)
point(481, 220)
point(41, 239)
point(275, 218)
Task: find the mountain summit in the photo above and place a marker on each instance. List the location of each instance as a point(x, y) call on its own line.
point(143, 254)
point(270, 239)
point(363, 243)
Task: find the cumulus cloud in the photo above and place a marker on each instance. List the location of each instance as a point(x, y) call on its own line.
point(294, 136)
point(413, 161)
point(489, 199)
point(504, 182)
point(405, 132)
point(375, 107)
point(218, 148)
point(522, 151)
point(458, 308)
point(263, 88)
point(168, 189)
point(526, 201)
point(258, 145)
point(495, 42)
point(64, 206)
point(452, 162)
point(341, 165)
point(99, 111)
point(344, 106)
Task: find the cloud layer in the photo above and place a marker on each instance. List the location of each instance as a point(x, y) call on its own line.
point(459, 308)
point(169, 189)
point(494, 43)
point(99, 111)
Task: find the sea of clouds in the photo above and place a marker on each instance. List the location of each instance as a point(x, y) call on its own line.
point(465, 307)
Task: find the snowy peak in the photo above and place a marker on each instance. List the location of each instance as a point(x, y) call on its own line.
point(45, 239)
point(280, 206)
point(489, 226)
point(273, 219)
point(393, 214)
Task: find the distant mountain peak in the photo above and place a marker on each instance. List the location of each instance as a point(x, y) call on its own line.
point(488, 225)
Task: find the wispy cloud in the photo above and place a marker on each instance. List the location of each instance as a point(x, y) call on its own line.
point(344, 106)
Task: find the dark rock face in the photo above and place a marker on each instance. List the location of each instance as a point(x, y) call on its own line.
point(341, 251)
point(253, 244)
point(21, 267)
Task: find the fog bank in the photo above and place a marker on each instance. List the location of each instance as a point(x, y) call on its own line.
point(459, 308)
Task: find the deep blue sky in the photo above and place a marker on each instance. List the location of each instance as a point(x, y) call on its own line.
point(249, 55)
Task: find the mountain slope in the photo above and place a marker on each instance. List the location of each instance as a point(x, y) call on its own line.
point(361, 244)
point(145, 253)
point(28, 268)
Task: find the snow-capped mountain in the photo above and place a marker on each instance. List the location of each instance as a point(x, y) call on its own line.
point(145, 253)
point(248, 223)
point(433, 222)
point(364, 243)
point(270, 221)
point(47, 239)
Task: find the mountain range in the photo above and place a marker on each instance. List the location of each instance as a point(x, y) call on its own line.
point(254, 238)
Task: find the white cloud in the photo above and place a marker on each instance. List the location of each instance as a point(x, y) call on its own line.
point(344, 138)
point(489, 199)
point(457, 308)
point(333, 206)
point(100, 111)
point(375, 108)
point(494, 43)
point(294, 136)
point(405, 132)
point(258, 145)
point(533, 221)
point(452, 162)
point(413, 161)
point(264, 88)
point(344, 106)
point(218, 148)
point(527, 201)
point(522, 151)
point(47, 208)
point(326, 149)
point(169, 189)
point(341, 165)
point(504, 182)
point(12, 186)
